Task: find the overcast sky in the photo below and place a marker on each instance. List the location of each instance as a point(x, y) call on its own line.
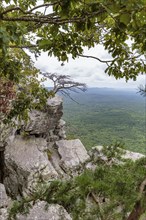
point(86, 70)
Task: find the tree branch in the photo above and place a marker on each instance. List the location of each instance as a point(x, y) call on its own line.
point(43, 5)
point(13, 9)
point(98, 204)
point(48, 19)
point(96, 58)
point(30, 11)
point(65, 93)
point(23, 46)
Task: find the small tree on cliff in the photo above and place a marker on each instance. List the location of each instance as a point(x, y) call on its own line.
point(64, 84)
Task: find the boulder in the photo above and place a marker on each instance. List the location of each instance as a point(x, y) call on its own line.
point(96, 152)
point(72, 153)
point(44, 211)
point(55, 101)
point(3, 214)
point(41, 123)
point(132, 155)
point(60, 129)
point(25, 162)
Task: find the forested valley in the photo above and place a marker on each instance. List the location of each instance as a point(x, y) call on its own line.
point(102, 116)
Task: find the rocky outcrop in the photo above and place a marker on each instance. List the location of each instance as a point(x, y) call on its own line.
point(132, 155)
point(29, 160)
point(97, 152)
point(24, 163)
point(19, 142)
point(43, 211)
point(40, 211)
point(39, 152)
point(47, 123)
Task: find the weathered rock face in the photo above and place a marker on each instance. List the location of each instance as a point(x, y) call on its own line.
point(6, 137)
point(6, 134)
point(43, 211)
point(46, 123)
point(72, 153)
point(24, 162)
point(27, 160)
point(4, 203)
point(39, 151)
point(3, 197)
point(26, 149)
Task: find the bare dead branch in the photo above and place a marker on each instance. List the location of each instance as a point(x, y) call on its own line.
point(64, 84)
point(65, 93)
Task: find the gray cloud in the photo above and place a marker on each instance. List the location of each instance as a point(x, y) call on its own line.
point(89, 71)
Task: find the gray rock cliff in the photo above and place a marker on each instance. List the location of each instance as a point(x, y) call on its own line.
point(36, 152)
point(39, 152)
point(42, 211)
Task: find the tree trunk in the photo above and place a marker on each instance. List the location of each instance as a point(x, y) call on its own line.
point(137, 211)
point(140, 205)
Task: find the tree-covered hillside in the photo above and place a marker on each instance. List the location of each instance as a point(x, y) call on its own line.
point(104, 116)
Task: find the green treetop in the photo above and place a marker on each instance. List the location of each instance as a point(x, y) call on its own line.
point(66, 27)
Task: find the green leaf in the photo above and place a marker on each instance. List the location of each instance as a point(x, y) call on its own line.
point(43, 43)
point(125, 18)
point(7, 1)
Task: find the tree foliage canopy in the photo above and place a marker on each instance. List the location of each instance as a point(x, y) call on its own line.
point(65, 27)
point(20, 89)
